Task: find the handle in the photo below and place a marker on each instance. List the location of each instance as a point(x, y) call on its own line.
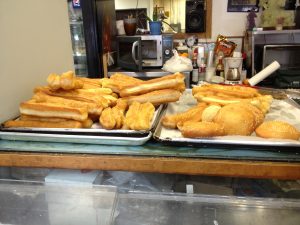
point(134, 45)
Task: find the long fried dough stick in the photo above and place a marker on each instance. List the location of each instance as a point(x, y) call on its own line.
point(43, 124)
point(53, 110)
point(192, 114)
point(85, 95)
point(167, 82)
point(92, 108)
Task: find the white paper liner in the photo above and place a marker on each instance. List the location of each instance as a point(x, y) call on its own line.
point(280, 110)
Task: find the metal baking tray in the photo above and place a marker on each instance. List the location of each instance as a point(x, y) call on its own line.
point(94, 135)
point(75, 138)
point(283, 110)
point(95, 130)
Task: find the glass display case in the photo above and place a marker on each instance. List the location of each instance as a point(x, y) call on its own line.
point(78, 40)
point(60, 203)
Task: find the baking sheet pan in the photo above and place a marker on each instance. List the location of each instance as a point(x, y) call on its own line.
point(94, 135)
point(82, 139)
point(283, 110)
point(95, 130)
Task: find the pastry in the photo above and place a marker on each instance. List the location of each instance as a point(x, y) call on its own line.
point(192, 129)
point(192, 114)
point(277, 129)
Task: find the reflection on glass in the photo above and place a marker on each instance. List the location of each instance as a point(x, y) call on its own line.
point(78, 40)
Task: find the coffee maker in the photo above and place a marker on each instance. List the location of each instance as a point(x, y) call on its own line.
point(233, 70)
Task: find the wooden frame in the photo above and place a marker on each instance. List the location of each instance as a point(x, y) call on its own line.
point(171, 165)
point(242, 5)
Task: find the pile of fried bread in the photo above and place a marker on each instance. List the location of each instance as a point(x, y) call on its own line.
point(229, 110)
point(118, 102)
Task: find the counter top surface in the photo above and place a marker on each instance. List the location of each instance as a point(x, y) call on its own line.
point(156, 149)
point(155, 158)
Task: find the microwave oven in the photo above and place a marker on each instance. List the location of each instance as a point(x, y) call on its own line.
point(143, 51)
point(283, 47)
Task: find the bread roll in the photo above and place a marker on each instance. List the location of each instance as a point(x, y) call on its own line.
point(277, 129)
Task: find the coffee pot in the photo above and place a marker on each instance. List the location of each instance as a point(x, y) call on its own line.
point(233, 70)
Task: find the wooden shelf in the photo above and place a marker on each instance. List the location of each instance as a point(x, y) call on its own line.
point(174, 165)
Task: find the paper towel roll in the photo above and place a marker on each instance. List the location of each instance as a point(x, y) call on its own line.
point(210, 59)
point(264, 73)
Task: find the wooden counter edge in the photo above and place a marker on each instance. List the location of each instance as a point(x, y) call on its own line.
point(174, 165)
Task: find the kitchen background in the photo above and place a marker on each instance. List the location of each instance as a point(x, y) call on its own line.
point(35, 40)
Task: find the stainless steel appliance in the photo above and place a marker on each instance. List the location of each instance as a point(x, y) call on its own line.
point(233, 70)
point(143, 51)
point(282, 46)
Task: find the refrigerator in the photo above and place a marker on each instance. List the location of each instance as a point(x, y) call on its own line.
point(93, 34)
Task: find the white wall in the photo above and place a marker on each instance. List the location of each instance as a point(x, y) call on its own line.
point(131, 4)
point(34, 41)
point(227, 23)
point(223, 22)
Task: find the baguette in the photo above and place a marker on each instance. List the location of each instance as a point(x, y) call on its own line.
point(53, 110)
point(168, 82)
point(155, 97)
point(43, 124)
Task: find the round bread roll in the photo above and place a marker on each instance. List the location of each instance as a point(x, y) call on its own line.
point(277, 129)
point(259, 116)
point(236, 119)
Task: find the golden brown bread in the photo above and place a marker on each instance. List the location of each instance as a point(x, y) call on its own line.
point(156, 97)
point(209, 113)
point(92, 108)
point(236, 119)
point(175, 81)
point(118, 81)
point(277, 129)
point(139, 116)
point(85, 95)
point(43, 124)
point(66, 81)
point(192, 114)
point(113, 118)
point(90, 83)
point(107, 119)
point(191, 129)
point(229, 90)
point(53, 81)
point(228, 94)
point(53, 110)
point(85, 124)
